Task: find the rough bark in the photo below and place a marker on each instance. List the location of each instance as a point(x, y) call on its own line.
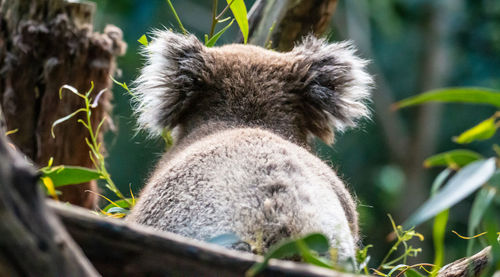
point(118, 249)
point(291, 19)
point(32, 240)
point(44, 45)
point(465, 267)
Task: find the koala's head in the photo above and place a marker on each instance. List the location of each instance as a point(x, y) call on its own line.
point(312, 90)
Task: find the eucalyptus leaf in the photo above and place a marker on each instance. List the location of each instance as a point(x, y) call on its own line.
point(315, 241)
point(413, 273)
point(240, 14)
point(460, 94)
point(438, 234)
point(70, 175)
point(439, 181)
point(458, 157)
point(122, 203)
point(464, 183)
point(481, 203)
point(211, 42)
point(482, 131)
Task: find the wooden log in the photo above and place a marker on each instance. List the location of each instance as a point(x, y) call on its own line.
point(291, 19)
point(468, 266)
point(119, 249)
point(32, 240)
point(45, 44)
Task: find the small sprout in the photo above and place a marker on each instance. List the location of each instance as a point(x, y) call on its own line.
point(72, 89)
point(61, 120)
point(95, 103)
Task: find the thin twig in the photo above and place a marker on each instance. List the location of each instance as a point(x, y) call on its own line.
point(224, 10)
point(413, 266)
point(177, 17)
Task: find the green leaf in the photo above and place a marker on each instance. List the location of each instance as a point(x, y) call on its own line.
point(240, 14)
point(211, 42)
point(316, 241)
point(438, 233)
point(482, 131)
point(464, 183)
point(122, 203)
point(481, 203)
point(460, 94)
point(413, 273)
point(439, 181)
point(453, 158)
point(143, 40)
point(62, 175)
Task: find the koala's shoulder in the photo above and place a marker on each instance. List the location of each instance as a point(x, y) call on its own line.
point(242, 147)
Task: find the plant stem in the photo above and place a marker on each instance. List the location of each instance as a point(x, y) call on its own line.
point(100, 158)
point(214, 19)
point(177, 17)
point(394, 247)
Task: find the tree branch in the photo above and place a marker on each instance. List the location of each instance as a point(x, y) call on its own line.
point(32, 240)
point(119, 249)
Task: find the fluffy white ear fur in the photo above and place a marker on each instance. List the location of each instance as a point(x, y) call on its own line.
point(340, 85)
point(163, 88)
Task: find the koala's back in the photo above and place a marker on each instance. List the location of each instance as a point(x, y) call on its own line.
point(252, 183)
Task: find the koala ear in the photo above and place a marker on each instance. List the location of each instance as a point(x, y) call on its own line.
point(336, 86)
point(166, 88)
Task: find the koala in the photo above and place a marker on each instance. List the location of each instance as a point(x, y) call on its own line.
point(242, 118)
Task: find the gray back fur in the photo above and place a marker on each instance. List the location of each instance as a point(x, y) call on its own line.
point(242, 118)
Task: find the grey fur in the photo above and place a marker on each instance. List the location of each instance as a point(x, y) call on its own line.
point(242, 117)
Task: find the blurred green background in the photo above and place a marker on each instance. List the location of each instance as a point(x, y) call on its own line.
point(413, 45)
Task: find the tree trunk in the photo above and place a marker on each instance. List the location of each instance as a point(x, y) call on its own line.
point(45, 44)
point(278, 24)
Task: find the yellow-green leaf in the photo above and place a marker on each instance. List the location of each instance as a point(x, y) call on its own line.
point(69, 175)
point(122, 203)
point(315, 241)
point(211, 42)
point(460, 95)
point(453, 158)
point(47, 182)
point(482, 131)
point(240, 14)
point(143, 40)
